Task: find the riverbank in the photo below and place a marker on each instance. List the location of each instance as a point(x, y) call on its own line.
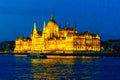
point(75, 54)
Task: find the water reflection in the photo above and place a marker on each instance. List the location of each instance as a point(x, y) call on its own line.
point(52, 68)
point(89, 68)
point(22, 69)
point(82, 68)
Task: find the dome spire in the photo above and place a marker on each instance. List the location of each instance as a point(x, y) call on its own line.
point(52, 17)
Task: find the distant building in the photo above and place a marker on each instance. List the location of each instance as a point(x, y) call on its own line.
point(7, 46)
point(52, 38)
point(114, 45)
point(104, 45)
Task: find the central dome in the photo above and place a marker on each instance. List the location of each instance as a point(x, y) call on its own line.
point(52, 22)
point(52, 28)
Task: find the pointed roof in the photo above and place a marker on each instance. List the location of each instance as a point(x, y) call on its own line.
point(35, 28)
point(44, 24)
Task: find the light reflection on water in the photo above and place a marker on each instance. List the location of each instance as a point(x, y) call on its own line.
point(90, 68)
point(63, 68)
point(52, 68)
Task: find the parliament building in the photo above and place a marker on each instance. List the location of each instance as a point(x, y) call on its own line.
point(54, 39)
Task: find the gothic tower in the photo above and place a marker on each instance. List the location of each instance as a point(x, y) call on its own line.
point(34, 32)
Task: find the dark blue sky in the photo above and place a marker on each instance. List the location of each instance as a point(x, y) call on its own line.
point(18, 16)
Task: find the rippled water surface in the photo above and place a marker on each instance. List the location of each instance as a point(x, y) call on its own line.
point(90, 68)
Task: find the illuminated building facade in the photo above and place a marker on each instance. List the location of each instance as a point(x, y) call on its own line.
point(52, 38)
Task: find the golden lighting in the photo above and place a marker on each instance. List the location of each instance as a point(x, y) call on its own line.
point(52, 38)
point(50, 68)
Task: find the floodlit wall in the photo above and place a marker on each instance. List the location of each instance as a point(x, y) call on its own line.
point(54, 39)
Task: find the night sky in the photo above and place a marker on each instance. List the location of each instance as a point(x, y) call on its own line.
point(18, 16)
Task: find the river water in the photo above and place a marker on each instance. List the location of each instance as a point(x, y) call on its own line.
point(84, 68)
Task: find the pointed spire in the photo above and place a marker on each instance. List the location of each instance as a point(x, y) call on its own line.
point(68, 25)
point(52, 17)
point(75, 27)
point(97, 33)
point(44, 27)
point(35, 28)
point(65, 26)
point(34, 25)
point(44, 23)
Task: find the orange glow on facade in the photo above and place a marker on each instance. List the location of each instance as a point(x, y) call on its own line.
point(54, 39)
